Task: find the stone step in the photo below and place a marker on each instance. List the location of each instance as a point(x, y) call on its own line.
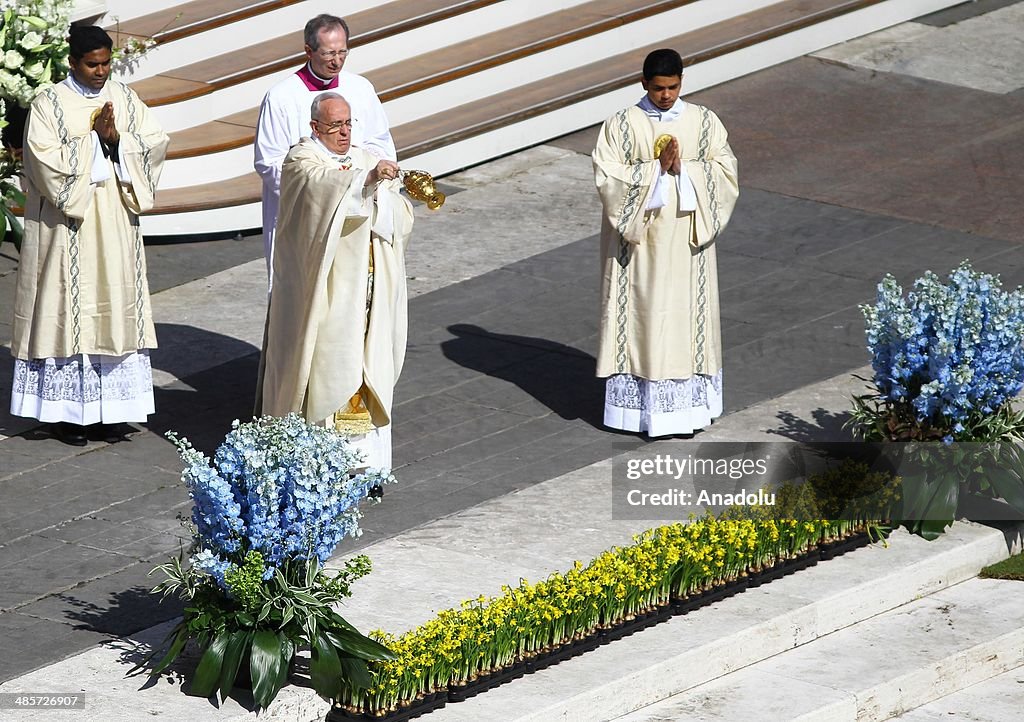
point(876, 669)
point(995, 700)
point(521, 102)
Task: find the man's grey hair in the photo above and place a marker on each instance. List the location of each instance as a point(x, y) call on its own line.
point(314, 109)
point(311, 35)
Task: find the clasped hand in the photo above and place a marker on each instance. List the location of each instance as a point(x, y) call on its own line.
point(669, 158)
point(104, 125)
point(384, 170)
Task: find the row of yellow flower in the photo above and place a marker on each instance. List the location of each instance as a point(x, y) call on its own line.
point(488, 634)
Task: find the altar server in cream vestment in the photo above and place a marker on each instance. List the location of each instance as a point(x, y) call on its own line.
point(665, 204)
point(337, 325)
point(284, 113)
point(82, 319)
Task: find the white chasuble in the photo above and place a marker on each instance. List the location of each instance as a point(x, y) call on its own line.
point(660, 338)
point(82, 307)
point(331, 334)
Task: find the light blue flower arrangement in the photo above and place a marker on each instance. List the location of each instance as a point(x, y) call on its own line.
point(948, 360)
point(269, 511)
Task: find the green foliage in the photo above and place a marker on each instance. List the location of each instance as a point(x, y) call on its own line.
point(849, 493)
point(262, 623)
point(936, 476)
point(246, 583)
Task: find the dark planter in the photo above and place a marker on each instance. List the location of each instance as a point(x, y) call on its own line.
point(420, 707)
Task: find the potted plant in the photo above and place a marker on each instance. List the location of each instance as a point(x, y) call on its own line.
point(948, 360)
point(268, 512)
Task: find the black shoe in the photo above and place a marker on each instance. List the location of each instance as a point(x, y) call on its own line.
point(376, 492)
point(113, 433)
point(71, 434)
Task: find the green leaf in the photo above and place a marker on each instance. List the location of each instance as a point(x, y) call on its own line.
point(306, 598)
point(1009, 485)
point(16, 229)
point(914, 491)
point(238, 647)
point(208, 672)
point(325, 668)
point(355, 673)
point(265, 611)
point(265, 665)
point(280, 578)
point(312, 568)
point(357, 645)
point(286, 617)
point(180, 636)
point(37, 23)
point(287, 652)
point(940, 505)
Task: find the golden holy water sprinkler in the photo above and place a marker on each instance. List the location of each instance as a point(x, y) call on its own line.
point(420, 185)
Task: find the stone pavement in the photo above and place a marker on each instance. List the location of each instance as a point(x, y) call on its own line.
point(847, 172)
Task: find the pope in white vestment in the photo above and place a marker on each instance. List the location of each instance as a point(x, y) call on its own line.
point(82, 318)
point(337, 325)
point(660, 345)
point(284, 118)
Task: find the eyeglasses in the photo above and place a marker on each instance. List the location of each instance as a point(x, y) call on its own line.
point(334, 127)
point(332, 54)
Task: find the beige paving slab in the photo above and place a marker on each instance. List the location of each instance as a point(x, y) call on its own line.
point(984, 52)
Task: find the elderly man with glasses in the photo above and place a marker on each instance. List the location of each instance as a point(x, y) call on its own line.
point(335, 340)
point(284, 113)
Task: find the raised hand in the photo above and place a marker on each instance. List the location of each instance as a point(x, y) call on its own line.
point(104, 125)
point(385, 170)
point(669, 157)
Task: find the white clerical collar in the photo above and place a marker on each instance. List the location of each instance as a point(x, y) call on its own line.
point(309, 67)
point(328, 152)
point(82, 89)
point(653, 111)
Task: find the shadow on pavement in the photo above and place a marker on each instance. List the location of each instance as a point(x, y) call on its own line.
point(558, 376)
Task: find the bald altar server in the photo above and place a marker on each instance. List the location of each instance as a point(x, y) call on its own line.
point(660, 345)
point(284, 113)
point(82, 321)
point(337, 326)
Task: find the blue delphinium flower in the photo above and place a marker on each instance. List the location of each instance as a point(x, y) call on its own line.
point(279, 486)
point(947, 350)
